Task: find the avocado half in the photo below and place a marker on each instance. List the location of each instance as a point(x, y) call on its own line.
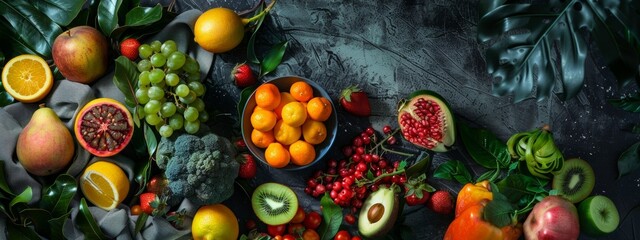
point(378, 213)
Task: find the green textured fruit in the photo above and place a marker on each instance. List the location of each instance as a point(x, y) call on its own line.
point(598, 216)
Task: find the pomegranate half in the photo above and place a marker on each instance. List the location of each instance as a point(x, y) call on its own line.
point(103, 127)
point(426, 121)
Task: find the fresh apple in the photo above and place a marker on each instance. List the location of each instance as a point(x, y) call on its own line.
point(552, 218)
point(81, 54)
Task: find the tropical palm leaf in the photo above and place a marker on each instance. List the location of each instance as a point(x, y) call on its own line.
point(538, 47)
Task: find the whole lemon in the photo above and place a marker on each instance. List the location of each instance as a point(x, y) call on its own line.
point(215, 221)
point(218, 30)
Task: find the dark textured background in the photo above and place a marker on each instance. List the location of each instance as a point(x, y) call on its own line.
point(392, 48)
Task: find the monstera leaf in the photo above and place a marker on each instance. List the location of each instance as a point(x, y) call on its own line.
point(535, 47)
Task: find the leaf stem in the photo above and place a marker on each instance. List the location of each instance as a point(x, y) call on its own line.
point(245, 21)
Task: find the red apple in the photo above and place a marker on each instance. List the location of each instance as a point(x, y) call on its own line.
point(552, 218)
point(81, 54)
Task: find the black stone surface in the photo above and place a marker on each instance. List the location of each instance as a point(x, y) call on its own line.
point(392, 48)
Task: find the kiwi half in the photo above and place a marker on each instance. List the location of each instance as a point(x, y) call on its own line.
point(575, 180)
point(274, 203)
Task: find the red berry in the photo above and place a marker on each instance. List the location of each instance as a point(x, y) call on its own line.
point(247, 166)
point(243, 76)
point(145, 200)
point(129, 48)
point(386, 129)
point(441, 202)
point(370, 131)
point(350, 219)
point(391, 140)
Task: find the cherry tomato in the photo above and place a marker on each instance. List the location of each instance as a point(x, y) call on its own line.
point(275, 230)
point(136, 210)
point(295, 229)
point(288, 237)
point(312, 220)
point(413, 200)
point(342, 235)
point(277, 237)
point(310, 234)
point(299, 217)
point(350, 219)
point(356, 238)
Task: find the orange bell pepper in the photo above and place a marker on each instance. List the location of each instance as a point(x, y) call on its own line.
point(471, 194)
point(471, 225)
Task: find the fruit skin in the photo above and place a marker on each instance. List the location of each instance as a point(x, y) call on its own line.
point(81, 54)
point(587, 220)
point(45, 145)
point(312, 220)
point(413, 119)
point(470, 224)
point(129, 48)
point(125, 138)
point(552, 218)
point(215, 221)
point(145, 202)
point(275, 230)
point(413, 200)
point(218, 30)
point(342, 235)
point(247, 166)
point(441, 202)
point(243, 76)
point(472, 194)
point(355, 101)
point(299, 217)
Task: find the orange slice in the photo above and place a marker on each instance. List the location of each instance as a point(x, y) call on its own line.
point(27, 78)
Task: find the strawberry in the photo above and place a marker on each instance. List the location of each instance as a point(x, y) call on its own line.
point(441, 202)
point(247, 166)
point(243, 76)
point(129, 48)
point(355, 101)
point(145, 202)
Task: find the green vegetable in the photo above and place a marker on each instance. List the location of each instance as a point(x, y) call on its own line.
point(201, 168)
point(538, 149)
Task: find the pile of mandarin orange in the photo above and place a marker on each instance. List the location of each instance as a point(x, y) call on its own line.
point(288, 124)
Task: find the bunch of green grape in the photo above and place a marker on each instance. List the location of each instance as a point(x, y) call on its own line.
point(169, 89)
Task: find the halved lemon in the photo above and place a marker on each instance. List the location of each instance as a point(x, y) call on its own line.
point(27, 78)
point(104, 184)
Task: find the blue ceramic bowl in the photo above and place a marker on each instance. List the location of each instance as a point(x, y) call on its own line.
point(284, 83)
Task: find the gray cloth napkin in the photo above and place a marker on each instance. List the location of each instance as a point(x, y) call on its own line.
point(66, 99)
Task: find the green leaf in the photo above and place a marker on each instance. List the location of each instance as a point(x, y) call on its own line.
point(484, 147)
point(108, 15)
point(142, 175)
point(629, 160)
point(21, 232)
point(487, 175)
point(3, 180)
point(60, 11)
point(5, 99)
point(420, 167)
point(517, 186)
point(140, 222)
point(629, 104)
point(332, 215)
point(24, 197)
point(140, 16)
point(57, 197)
point(251, 51)
point(36, 30)
point(57, 226)
point(453, 170)
point(39, 218)
point(150, 138)
point(273, 58)
point(126, 79)
point(244, 97)
point(86, 223)
point(498, 212)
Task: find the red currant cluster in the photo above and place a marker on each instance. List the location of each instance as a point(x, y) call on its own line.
point(364, 168)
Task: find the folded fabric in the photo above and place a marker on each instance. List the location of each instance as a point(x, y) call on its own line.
point(66, 99)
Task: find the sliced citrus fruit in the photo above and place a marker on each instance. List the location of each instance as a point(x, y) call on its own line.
point(104, 184)
point(27, 78)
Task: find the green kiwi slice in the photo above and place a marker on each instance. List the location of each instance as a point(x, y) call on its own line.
point(274, 203)
point(598, 216)
point(575, 180)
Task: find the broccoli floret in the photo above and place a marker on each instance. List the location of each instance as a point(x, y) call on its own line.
point(201, 168)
